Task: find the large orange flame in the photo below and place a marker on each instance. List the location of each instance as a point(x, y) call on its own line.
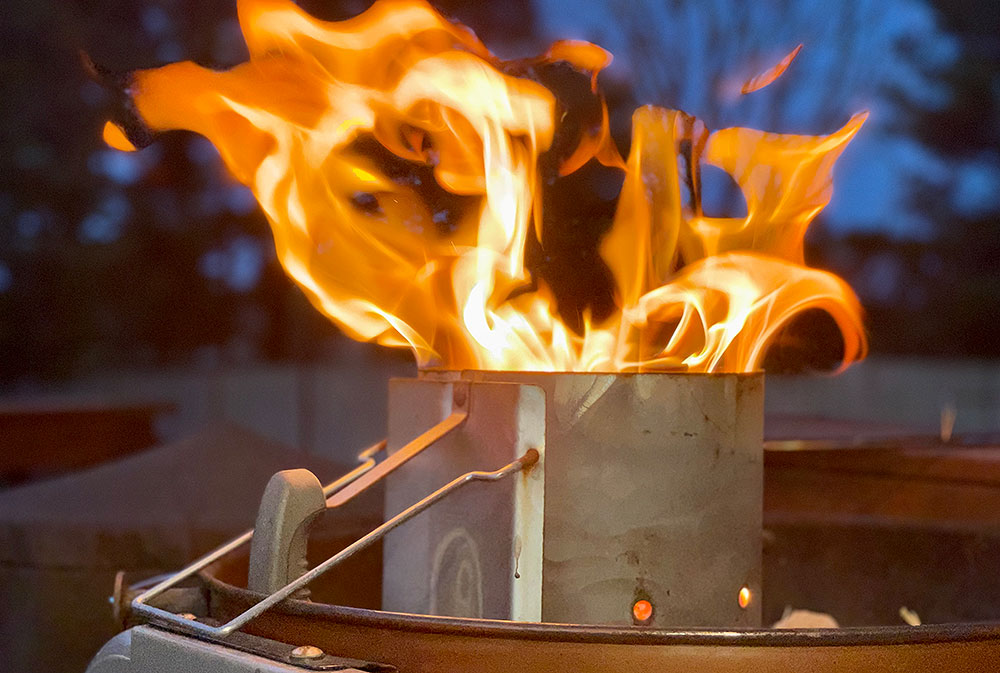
point(694, 292)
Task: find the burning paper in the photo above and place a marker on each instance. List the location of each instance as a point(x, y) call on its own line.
point(296, 123)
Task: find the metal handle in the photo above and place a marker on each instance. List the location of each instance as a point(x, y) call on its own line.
point(336, 493)
point(398, 458)
point(367, 462)
point(332, 493)
point(529, 458)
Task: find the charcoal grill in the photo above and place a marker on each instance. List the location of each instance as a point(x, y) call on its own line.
point(487, 569)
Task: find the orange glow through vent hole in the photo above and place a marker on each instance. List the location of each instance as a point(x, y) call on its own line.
point(642, 610)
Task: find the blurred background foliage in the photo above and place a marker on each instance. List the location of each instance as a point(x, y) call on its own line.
point(157, 258)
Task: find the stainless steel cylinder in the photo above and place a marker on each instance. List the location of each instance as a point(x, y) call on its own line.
point(652, 495)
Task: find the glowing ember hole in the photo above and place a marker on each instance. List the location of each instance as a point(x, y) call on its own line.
point(642, 611)
point(744, 597)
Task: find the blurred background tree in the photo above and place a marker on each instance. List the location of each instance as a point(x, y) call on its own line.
point(157, 258)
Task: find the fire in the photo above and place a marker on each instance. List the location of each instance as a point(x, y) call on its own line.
point(744, 597)
point(642, 611)
point(297, 123)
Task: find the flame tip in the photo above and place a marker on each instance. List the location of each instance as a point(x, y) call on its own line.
point(767, 77)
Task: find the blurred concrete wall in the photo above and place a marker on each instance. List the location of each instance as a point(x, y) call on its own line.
point(338, 408)
point(910, 391)
point(333, 410)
